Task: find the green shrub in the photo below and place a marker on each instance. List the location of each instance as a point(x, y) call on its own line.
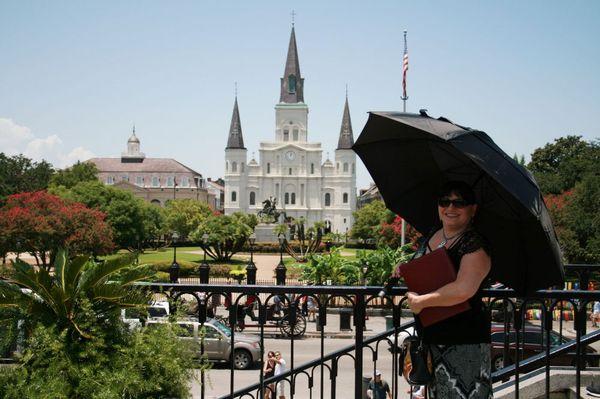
point(186, 268)
point(295, 270)
point(219, 270)
point(8, 331)
point(382, 262)
point(151, 363)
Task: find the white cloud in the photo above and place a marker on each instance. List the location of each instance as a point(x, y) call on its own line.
point(17, 139)
point(48, 148)
point(13, 136)
point(77, 154)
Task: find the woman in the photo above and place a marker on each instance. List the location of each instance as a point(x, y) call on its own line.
point(268, 371)
point(460, 345)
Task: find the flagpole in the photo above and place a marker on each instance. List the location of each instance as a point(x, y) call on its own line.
point(404, 98)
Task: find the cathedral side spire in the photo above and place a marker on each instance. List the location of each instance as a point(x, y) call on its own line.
point(292, 83)
point(346, 140)
point(235, 140)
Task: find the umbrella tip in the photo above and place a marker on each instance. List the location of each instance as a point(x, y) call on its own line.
point(423, 112)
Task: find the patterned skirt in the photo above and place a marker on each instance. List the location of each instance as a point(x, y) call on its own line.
point(461, 372)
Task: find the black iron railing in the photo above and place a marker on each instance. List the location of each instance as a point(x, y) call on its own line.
point(308, 378)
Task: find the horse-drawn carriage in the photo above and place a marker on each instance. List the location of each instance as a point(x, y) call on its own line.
point(278, 316)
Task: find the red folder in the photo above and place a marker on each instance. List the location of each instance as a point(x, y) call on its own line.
point(426, 274)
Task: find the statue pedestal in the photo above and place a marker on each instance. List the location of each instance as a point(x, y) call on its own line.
point(265, 232)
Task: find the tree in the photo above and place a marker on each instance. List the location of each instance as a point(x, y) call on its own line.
point(567, 172)
point(519, 159)
point(78, 347)
point(331, 266)
point(390, 233)
point(40, 223)
point(367, 220)
point(143, 364)
point(134, 222)
point(581, 221)
point(558, 166)
point(185, 215)
point(20, 174)
point(227, 234)
point(382, 262)
point(80, 172)
point(54, 299)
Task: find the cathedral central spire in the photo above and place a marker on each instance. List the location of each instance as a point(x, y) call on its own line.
point(235, 140)
point(292, 83)
point(346, 139)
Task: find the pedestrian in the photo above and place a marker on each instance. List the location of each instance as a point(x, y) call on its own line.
point(268, 372)
point(378, 388)
point(304, 304)
point(279, 369)
point(312, 308)
point(596, 314)
point(460, 345)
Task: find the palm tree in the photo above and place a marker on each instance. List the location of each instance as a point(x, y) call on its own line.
point(58, 298)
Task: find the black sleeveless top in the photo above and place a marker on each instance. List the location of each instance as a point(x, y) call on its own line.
point(472, 326)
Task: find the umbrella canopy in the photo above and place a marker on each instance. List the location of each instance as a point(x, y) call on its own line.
point(411, 156)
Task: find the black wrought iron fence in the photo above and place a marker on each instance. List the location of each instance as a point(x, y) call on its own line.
point(521, 334)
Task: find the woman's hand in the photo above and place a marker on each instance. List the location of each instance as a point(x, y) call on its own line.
point(414, 302)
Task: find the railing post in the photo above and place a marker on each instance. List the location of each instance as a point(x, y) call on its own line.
point(359, 323)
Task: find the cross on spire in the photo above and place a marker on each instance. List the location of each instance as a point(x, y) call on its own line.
point(293, 17)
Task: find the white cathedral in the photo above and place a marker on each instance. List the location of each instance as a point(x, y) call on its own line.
point(290, 168)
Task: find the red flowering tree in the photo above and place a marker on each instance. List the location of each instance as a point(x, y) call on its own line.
point(40, 223)
point(390, 233)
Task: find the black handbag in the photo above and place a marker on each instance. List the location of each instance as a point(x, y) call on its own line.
point(417, 361)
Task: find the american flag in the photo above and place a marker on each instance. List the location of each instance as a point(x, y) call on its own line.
point(404, 68)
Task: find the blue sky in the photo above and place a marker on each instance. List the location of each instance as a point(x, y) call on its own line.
point(74, 76)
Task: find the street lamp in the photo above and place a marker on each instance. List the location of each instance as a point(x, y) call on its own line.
point(174, 269)
point(251, 267)
point(280, 270)
point(204, 269)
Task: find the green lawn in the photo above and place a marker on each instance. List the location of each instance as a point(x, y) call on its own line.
point(166, 255)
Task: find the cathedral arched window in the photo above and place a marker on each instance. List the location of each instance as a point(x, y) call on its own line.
point(353, 168)
point(290, 171)
point(227, 166)
point(234, 167)
point(327, 199)
point(345, 166)
point(312, 168)
point(252, 198)
point(345, 198)
point(293, 198)
point(233, 196)
point(287, 198)
point(268, 167)
point(286, 135)
point(337, 166)
point(295, 135)
point(242, 167)
point(291, 84)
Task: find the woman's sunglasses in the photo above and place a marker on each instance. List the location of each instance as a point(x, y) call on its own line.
point(458, 203)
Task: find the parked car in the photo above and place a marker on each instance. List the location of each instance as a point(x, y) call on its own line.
point(217, 341)
point(532, 340)
point(135, 318)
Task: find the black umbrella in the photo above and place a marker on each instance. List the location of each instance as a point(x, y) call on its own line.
point(411, 156)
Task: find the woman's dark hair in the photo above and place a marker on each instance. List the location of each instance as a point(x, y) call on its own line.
point(459, 188)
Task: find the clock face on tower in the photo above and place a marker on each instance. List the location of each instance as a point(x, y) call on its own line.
point(290, 155)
